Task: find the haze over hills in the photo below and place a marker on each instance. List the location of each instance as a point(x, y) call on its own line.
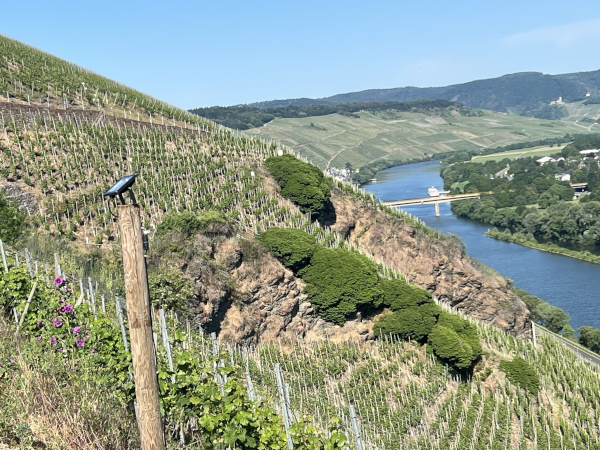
point(519, 92)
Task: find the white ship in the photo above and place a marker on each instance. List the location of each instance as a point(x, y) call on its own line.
point(434, 192)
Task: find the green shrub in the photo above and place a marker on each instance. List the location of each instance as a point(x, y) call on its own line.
point(465, 329)
point(455, 341)
point(188, 223)
point(400, 295)
point(12, 220)
point(590, 338)
point(213, 222)
point(294, 248)
point(520, 373)
point(185, 222)
point(169, 289)
point(302, 183)
point(450, 348)
point(410, 323)
point(338, 282)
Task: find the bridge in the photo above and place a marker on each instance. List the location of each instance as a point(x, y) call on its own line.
point(452, 198)
point(435, 200)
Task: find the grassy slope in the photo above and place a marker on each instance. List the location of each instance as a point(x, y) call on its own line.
point(335, 140)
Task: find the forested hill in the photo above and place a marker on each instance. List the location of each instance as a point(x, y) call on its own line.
point(244, 117)
point(527, 93)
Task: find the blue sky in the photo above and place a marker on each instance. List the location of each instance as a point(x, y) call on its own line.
point(197, 53)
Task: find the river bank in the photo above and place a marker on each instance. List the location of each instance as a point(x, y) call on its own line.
point(521, 239)
point(568, 283)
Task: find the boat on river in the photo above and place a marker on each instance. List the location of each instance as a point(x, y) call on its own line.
point(434, 192)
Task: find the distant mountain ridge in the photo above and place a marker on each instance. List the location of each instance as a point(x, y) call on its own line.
point(519, 92)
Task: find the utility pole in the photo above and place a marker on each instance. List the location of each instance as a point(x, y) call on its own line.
point(140, 328)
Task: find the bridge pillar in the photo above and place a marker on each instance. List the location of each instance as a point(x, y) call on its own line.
point(437, 209)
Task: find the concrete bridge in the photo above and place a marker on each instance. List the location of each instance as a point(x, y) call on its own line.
point(435, 200)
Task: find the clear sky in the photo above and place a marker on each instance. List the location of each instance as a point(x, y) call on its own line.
point(199, 53)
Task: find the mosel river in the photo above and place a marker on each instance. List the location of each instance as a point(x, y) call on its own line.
point(568, 283)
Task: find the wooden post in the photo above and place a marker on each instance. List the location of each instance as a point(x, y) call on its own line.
point(437, 209)
point(3, 256)
point(140, 328)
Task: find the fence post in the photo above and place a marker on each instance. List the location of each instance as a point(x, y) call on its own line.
point(121, 323)
point(92, 298)
point(166, 343)
point(356, 428)
point(284, 405)
point(28, 261)
point(3, 256)
point(56, 265)
point(140, 328)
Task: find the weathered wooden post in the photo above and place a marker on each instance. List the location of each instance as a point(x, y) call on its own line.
point(140, 328)
point(139, 316)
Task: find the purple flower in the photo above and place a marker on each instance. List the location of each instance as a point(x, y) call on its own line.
point(94, 352)
point(57, 322)
point(76, 330)
point(66, 309)
point(87, 335)
point(39, 324)
point(68, 289)
point(80, 342)
point(53, 341)
point(39, 339)
point(58, 281)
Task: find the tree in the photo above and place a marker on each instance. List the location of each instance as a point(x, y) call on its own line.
point(569, 332)
point(590, 338)
point(552, 317)
point(302, 183)
point(12, 220)
point(339, 282)
point(294, 248)
point(400, 295)
point(413, 323)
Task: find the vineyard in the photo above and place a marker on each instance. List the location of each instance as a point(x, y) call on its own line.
point(29, 76)
point(65, 368)
point(384, 394)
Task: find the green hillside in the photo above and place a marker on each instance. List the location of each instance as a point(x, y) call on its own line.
point(238, 250)
point(335, 140)
point(29, 76)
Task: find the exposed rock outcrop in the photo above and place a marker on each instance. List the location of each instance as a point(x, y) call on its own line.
point(25, 200)
point(440, 266)
point(246, 295)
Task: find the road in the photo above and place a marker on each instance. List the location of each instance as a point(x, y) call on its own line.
point(585, 354)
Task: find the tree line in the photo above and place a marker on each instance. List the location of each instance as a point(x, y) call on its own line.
point(243, 117)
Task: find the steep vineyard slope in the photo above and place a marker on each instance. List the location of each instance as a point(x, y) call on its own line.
point(57, 162)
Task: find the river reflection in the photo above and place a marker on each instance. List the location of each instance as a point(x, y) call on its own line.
point(568, 283)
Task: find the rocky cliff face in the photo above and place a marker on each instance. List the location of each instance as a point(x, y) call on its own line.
point(246, 295)
point(440, 266)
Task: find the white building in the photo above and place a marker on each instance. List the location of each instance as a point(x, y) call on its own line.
point(562, 177)
point(544, 160)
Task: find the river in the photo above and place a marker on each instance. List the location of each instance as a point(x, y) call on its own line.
point(568, 283)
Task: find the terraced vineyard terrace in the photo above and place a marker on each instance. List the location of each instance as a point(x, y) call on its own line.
point(29, 76)
point(69, 160)
point(335, 140)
